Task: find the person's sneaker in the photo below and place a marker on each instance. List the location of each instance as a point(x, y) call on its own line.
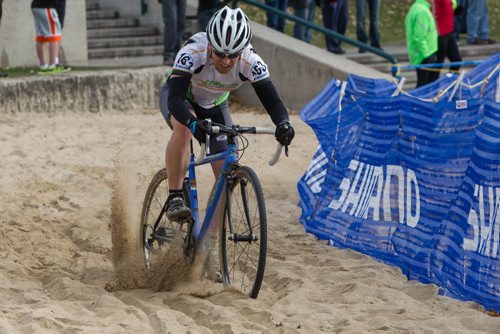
point(43, 70)
point(177, 209)
point(62, 68)
point(338, 51)
point(474, 41)
point(487, 41)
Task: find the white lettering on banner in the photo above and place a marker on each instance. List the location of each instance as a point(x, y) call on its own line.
point(485, 238)
point(372, 190)
point(314, 181)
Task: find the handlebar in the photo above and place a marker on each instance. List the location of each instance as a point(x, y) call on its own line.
point(236, 130)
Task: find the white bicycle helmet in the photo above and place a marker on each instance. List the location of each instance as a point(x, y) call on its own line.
point(228, 30)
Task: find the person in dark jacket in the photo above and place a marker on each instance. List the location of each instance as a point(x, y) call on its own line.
point(61, 11)
point(374, 11)
point(335, 17)
point(305, 10)
point(2, 74)
point(207, 8)
point(274, 21)
point(174, 20)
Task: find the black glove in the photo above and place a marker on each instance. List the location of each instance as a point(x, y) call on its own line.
point(284, 133)
point(200, 128)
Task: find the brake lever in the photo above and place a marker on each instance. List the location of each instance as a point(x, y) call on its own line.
point(286, 150)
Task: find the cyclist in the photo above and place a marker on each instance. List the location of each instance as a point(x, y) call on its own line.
point(208, 67)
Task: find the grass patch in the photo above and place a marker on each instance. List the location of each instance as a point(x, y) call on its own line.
point(16, 72)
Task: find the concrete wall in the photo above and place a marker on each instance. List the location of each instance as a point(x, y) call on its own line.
point(299, 70)
point(17, 34)
point(83, 91)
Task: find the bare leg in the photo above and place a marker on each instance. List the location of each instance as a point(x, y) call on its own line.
point(53, 52)
point(40, 48)
point(217, 167)
point(177, 154)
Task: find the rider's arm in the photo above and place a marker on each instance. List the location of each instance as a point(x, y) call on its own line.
point(271, 101)
point(178, 87)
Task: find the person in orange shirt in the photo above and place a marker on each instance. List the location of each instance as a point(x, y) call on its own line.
point(48, 32)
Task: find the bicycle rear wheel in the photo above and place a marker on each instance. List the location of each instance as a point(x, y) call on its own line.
point(156, 230)
point(243, 233)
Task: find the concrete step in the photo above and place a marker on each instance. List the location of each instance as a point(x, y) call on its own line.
point(126, 52)
point(92, 5)
point(124, 42)
point(112, 23)
point(386, 67)
point(477, 51)
point(98, 14)
point(121, 32)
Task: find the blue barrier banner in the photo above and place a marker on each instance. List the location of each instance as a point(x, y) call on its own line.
point(412, 182)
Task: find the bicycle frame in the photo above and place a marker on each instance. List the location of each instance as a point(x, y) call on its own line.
point(200, 231)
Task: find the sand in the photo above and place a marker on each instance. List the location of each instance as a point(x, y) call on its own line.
point(71, 188)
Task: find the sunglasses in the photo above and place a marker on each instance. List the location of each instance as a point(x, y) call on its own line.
point(224, 55)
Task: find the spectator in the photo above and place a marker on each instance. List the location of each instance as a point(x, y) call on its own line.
point(460, 19)
point(335, 17)
point(61, 11)
point(2, 74)
point(421, 39)
point(447, 44)
point(174, 18)
point(207, 8)
point(374, 11)
point(305, 10)
point(48, 32)
point(477, 23)
point(273, 20)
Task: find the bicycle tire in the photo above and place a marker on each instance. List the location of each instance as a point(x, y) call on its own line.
point(243, 262)
point(155, 198)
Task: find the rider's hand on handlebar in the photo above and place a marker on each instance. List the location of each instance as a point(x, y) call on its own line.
point(284, 133)
point(200, 128)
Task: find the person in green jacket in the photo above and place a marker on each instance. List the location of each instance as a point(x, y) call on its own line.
point(422, 40)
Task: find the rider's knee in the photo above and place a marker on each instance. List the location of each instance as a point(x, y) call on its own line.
point(181, 132)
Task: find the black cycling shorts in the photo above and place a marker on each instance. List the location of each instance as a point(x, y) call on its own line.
point(219, 114)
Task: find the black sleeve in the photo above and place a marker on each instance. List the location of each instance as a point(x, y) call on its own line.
point(271, 101)
point(177, 90)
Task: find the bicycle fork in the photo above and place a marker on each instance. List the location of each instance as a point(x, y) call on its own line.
point(250, 237)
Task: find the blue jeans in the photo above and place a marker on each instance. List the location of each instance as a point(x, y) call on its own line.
point(307, 13)
point(174, 17)
point(477, 20)
point(374, 10)
point(335, 17)
point(273, 21)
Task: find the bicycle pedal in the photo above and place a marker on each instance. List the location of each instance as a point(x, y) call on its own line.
point(187, 220)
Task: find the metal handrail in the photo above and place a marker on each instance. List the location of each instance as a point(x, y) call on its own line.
point(330, 33)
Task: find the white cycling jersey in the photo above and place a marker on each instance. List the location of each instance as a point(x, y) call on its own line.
point(209, 87)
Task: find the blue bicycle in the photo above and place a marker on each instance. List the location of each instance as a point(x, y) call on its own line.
point(236, 205)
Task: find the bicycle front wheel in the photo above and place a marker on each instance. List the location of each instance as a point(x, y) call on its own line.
point(243, 233)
